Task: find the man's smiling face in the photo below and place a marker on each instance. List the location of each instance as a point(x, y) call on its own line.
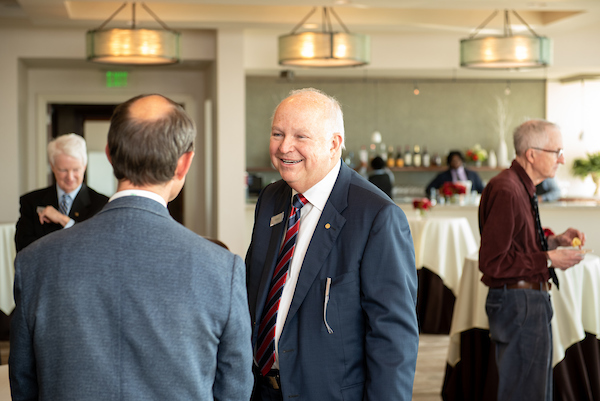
point(300, 149)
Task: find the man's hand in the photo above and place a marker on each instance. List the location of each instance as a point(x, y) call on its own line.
point(564, 258)
point(566, 238)
point(49, 214)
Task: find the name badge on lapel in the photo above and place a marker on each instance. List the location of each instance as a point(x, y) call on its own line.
point(278, 218)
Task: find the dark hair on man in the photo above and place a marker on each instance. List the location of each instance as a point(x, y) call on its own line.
point(146, 152)
point(452, 154)
point(377, 163)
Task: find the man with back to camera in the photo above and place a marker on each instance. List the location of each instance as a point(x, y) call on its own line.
point(518, 260)
point(344, 326)
point(68, 202)
point(131, 305)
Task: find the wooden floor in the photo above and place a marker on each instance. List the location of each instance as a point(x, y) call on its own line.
point(429, 377)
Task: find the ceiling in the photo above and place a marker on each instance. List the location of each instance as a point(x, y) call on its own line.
point(551, 18)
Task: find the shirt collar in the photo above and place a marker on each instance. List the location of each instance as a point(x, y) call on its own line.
point(318, 194)
point(525, 179)
point(60, 192)
point(139, 192)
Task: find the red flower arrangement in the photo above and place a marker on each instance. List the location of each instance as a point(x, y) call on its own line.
point(422, 204)
point(450, 188)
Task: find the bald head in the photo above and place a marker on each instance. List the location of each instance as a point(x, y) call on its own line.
point(150, 108)
point(147, 136)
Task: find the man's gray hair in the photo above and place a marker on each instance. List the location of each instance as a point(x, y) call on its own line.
point(70, 145)
point(532, 134)
point(335, 122)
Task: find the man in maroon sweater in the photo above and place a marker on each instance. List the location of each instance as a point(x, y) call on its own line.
point(518, 260)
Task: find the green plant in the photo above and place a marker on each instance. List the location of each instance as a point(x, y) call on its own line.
point(590, 166)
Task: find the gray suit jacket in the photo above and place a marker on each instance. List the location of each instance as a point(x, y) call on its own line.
point(129, 305)
point(363, 244)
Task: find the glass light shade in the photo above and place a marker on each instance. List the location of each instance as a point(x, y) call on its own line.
point(498, 52)
point(133, 46)
point(324, 49)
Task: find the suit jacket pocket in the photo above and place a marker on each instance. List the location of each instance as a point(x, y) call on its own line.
point(353, 392)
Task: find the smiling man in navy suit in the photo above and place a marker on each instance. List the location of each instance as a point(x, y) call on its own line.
point(331, 275)
point(131, 305)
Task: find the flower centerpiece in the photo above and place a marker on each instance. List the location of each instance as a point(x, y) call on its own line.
point(422, 205)
point(590, 166)
point(477, 155)
point(450, 188)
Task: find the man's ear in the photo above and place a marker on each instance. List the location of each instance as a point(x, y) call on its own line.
point(530, 155)
point(183, 165)
point(336, 143)
point(107, 151)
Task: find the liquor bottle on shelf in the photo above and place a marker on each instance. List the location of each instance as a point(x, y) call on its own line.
point(417, 156)
point(382, 152)
point(400, 158)
point(391, 159)
point(426, 159)
point(407, 157)
point(437, 160)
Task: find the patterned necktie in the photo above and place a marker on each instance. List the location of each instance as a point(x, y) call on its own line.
point(265, 353)
point(65, 203)
point(540, 230)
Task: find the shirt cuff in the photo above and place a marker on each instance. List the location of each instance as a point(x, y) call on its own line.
point(69, 224)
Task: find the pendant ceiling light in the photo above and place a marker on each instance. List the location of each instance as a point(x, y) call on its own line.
point(325, 48)
point(133, 46)
point(510, 51)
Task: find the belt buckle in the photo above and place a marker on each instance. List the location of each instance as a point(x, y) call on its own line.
point(273, 382)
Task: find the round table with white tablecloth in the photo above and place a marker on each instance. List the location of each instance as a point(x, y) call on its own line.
point(441, 245)
point(471, 372)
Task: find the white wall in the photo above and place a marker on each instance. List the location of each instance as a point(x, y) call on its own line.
point(574, 107)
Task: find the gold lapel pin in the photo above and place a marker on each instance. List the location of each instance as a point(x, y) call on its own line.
point(76, 214)
point(327, 226)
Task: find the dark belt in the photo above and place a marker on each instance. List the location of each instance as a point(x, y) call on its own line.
point(526, 285)
point(271, 379)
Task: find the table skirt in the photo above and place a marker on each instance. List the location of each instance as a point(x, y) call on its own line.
point(435, 303)
point(475, 377)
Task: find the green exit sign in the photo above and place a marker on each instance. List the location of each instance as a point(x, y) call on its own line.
point(116, 79)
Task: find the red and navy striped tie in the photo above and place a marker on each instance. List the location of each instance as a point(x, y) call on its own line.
point(265, 353)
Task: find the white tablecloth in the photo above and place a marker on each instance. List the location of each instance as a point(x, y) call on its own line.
point(7, 270)
point(576, 306)
point(441, 245)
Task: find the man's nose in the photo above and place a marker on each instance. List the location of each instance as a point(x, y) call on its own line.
point(287, 145)
point(561, 159)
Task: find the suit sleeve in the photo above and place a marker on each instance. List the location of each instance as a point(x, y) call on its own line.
point(437, 182)
point(22, 366)
point(234, 379)
point(25, 232)
point(389, 296)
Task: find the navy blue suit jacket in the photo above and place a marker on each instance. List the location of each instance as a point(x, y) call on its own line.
point(86, 204)
point(129, 305)
point(363, 243)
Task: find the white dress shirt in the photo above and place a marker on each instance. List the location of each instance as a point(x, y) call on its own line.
point(309, 217)
point(139, 192)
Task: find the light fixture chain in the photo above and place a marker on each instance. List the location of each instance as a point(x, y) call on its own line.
point(156, 17)
point(483, 24)
point(526, 24)
point(112, 16)
point(303, 20)
point(133, 15)
point(339, 20)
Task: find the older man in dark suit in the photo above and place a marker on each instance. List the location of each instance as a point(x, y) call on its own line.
point(68, 202)
point(131, 305)
point(332, 282)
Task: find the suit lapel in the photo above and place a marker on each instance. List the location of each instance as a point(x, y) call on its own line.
point(80, 203)
point(328, 229)
point(282, 204)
